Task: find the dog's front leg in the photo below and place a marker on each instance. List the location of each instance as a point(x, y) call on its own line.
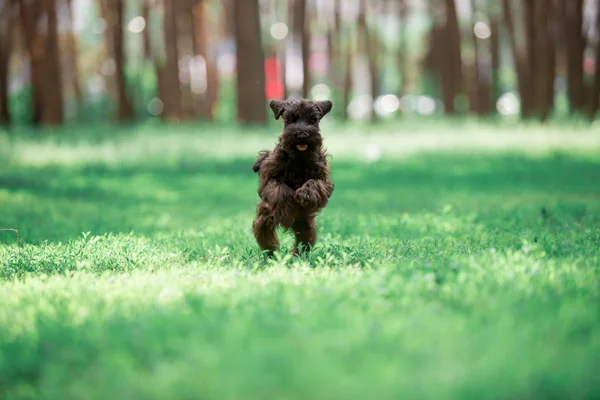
point(281, 200)
point(315, 193)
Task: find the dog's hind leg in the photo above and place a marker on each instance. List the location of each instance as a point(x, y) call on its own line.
point(305, 230)
point(264, 229)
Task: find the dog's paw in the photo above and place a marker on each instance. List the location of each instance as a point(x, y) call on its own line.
point(305, 198)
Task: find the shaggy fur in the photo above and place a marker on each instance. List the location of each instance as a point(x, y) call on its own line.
point(294, 178)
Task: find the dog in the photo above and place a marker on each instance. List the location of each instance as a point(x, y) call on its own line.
point(295, 180)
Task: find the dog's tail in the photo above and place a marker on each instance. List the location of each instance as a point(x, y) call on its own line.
point(259, 160)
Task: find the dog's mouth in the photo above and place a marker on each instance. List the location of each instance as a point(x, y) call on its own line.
point(302, 147)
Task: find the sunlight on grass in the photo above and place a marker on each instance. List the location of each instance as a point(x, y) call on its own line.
point(438, 273)
point(181, 144)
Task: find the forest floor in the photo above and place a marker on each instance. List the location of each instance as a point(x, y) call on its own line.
point(453, 262)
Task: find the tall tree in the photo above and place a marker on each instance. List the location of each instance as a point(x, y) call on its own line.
point(453, 59)
point(369, 46)
point(495, 57)
point(169, 71)
point(478, 104)
point(6, 27)
point(113, 12)
point(544, 56)
point(73, 56)
point(575, 42)
point(208, 99)
point(520, 60)
point(250, 82)
point(30, 13)
point(52, 111)
point(594, 105)
point(302, 29)
point(445, 50)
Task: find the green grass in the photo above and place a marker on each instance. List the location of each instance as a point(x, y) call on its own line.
point(462, 264)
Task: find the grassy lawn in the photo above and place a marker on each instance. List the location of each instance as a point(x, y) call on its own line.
point(463, 263)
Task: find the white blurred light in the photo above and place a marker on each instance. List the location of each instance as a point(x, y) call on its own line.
point(321, 92)
point(226, 64)
point(279, 31)
point(198, 84)
point(109, 67)
point(407, 104)
point(373, 152)
point(508, 104)
point(155, 106)
point(386, 105)
point(425, 105)
point(137, 24)
point(294, 75)
point(482, 30)
point(360, 107)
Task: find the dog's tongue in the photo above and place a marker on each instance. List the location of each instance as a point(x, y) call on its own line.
point(302, 147)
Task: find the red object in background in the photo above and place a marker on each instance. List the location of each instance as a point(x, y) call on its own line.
point(274, 84)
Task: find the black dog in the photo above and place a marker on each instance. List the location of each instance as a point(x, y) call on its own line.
point(294, 177)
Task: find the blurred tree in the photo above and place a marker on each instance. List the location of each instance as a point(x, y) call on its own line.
point(301, 28)
point(544, 56)
point(52, 88)
point(168, 70)
point(251, 99)
point(334, 48)
point(206, 100)
point(402, 12)
point(575, 43)
point(73, 56)
point(113, 14)
point(445, 51)
point(7, 11)
point(520, 60)
point(368, 45)
point(30, 13)
point(594, 105)
point(147, 46)
point(495, 56)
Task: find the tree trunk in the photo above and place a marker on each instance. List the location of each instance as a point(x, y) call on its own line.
point(594, 100)
point(208, 99)
point(521, 67)
point(6, 26)
point(30, 13)
point(250, 82)
point(445, 51)
point(146, 32)
point(74, 57)
point(479, 107)
point(52, 112)
point(113, 12)
point(495, 54)
point(303, 29)
point(348, 80)
point(335, 50)
point(402, 50)
point(169, 72)
point(575, 49)
point(544, 53)
point(125, 106)
point(453, 60)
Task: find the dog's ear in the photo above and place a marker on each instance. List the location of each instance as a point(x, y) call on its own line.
point(278, 107)
point(325, 106)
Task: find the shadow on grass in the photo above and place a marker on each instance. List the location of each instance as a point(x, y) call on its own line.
point(59, 203)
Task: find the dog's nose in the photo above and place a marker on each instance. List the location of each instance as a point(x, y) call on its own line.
point(302, 135)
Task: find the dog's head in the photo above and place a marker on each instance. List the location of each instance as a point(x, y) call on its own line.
point(301, 133)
